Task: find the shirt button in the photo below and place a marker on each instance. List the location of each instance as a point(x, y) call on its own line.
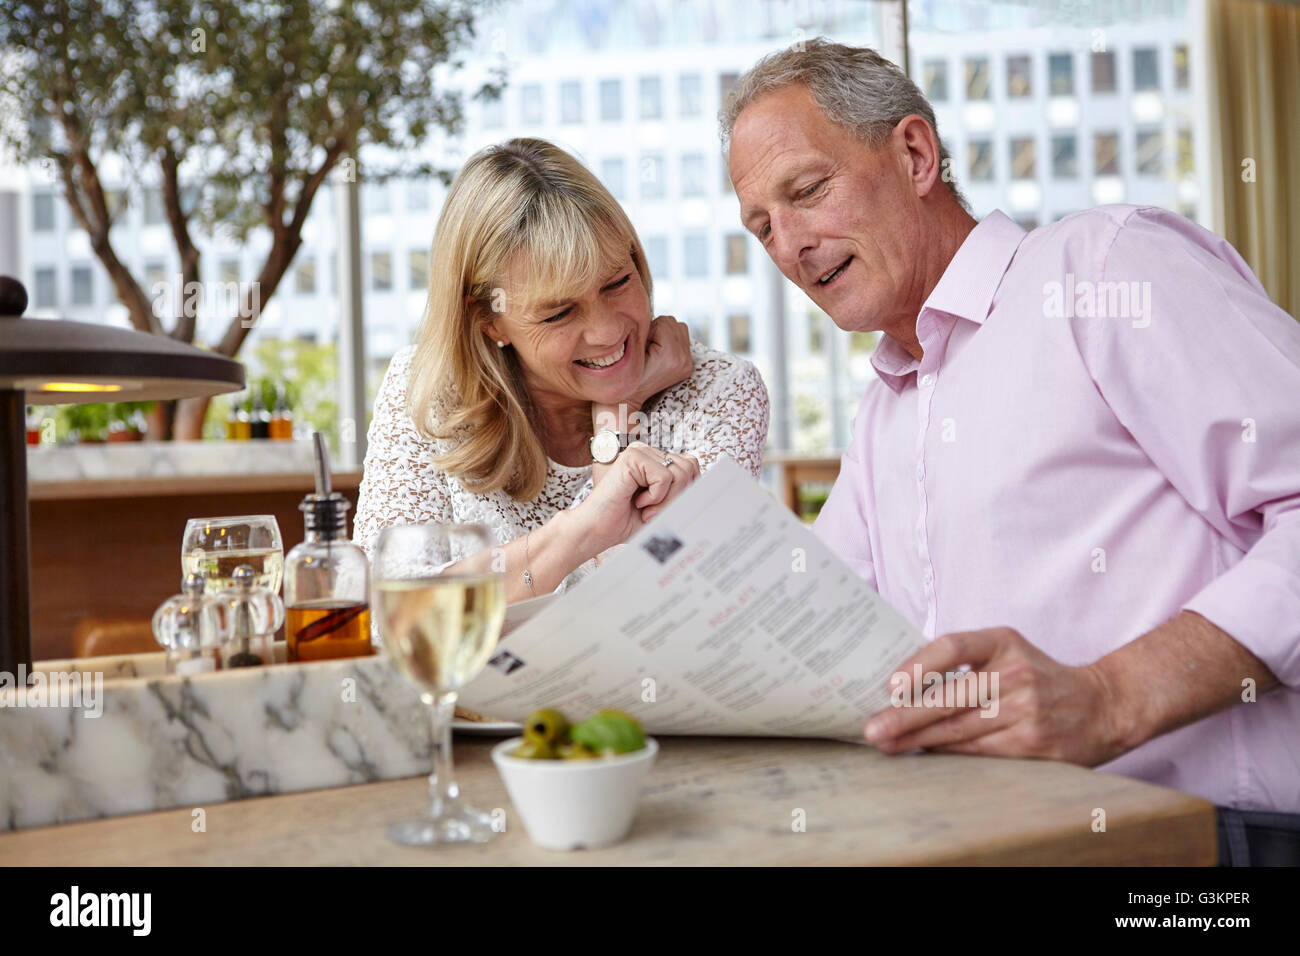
point(927, 380)
point(920, 473)
point(928, 577)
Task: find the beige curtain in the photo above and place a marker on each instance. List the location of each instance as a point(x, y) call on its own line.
point(1253, 78)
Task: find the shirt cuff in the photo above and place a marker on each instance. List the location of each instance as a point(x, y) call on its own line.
point(1258, 604)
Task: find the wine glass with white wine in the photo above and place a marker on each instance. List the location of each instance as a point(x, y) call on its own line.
point(439, 603)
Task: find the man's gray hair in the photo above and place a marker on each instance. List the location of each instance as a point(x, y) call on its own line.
point(855, 87)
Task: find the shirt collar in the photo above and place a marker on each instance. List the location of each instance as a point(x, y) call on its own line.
point(964, 291)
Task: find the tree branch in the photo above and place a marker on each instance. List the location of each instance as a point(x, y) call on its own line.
point(183, 331)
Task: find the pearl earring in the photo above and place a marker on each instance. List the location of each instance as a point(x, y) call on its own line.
point(500, 344)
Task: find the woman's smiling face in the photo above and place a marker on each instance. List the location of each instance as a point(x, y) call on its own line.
point(588, 346)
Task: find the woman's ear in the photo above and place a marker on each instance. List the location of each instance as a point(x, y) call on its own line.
point(488, 326)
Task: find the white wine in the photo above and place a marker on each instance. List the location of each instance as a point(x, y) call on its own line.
point(441, 631)
point(218, 567)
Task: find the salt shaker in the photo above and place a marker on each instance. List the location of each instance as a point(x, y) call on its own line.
point(253, 615)
point(191, 628)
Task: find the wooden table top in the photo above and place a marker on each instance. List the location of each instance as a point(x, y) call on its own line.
point(708, 801)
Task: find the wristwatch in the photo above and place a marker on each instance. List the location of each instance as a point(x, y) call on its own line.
point(606, 444)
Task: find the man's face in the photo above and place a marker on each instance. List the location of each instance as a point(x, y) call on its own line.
point(840, 220)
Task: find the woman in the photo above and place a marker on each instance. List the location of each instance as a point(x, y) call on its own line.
point(537, 328)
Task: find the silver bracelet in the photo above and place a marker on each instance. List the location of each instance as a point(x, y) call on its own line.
point(528, 575)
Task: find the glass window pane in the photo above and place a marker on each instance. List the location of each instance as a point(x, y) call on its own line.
point(571, 102)
point(738, 331)
point(43, 212)
point(737, 254)
point(381, 271)
point(690, 95)
point(229, 271)
point(1020, 79)
point(417, 195)
point(613, 173)
point(494, 113)
point(979, 157)
point(656, 255)
point(1103, 72)
point(1105, 154)
point(46, 289)
point(1022, 157)
point(305, 277)
point(699, 326)
point(83, 286)
point(652, 176)
point(611, 100)
point(1182, 67)
point(934, 80)
point(378, 198)
point(693, 174)
point(1065, 156)
point(651, 97)
point(530, 104)
point(1146, 69)
point(417, 261)
point(1186, 159)
point(977, 78)
point(1150, 160)
point(153, 207)
point(1060, 74)
point(695, 255)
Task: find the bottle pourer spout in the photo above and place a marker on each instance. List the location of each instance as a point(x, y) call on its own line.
point(324, 485)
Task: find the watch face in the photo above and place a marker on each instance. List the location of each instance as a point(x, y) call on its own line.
point(604, 446)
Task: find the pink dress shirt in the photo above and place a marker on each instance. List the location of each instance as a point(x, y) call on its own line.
point(1081, 468)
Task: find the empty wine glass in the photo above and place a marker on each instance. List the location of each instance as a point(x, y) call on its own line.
point(439, 604)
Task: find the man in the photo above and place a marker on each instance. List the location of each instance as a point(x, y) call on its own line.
point(1080, 468)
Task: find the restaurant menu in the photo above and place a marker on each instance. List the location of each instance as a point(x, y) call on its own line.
point(724, 616)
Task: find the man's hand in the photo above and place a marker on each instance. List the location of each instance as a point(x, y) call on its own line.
point(667, 359)
point(1037, 706)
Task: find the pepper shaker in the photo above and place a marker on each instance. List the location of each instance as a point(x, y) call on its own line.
point(191, 628)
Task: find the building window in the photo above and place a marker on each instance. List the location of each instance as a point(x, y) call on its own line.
point(1105, 154)
point(815, 332)
point(229, 271)
point(1027, 223)
point(695, 255)
point(1150, 158)
point(693, 174)
point(377, 199)
point(726, 83)
point(43, 212)
point(494, 113)
point(381, 271)
point(155, 274)
point(1065, 156)
point(651, 95)
point(1182, 67)
point(530, 104)
point(613, 173)
point(153, 207)
point(1185, 160)
point(934, 80)
point(417, 267)
point(47, 289)
point(1022, 157)
point(738, 332)
point(417, 196)
point(83, 286)
point(699, 326)
point(1103, 72)
point(652, 176)
point(979, 155)
point(690, 95)
point(305, 277)
point(656, 256)
point(611, 100)
point(1146, 70)
point(1060, 74)
point(977, 78)
point(571, 102)
point(737, 254)
point(1020, 77)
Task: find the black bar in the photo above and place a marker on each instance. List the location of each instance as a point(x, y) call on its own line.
point(15, 559)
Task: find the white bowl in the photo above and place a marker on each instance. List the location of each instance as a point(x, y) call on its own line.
point(575, 804)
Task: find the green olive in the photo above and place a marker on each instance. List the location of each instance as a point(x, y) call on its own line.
point(546, 726)
point(535, 750)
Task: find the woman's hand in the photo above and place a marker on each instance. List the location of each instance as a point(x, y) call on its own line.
point(667, 359)
point(639, 484)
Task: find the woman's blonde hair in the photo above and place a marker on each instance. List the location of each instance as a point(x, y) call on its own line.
point(528, 203)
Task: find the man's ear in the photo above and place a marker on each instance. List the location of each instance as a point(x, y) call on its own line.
point(917, 140)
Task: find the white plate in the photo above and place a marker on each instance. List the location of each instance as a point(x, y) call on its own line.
point(487, 728)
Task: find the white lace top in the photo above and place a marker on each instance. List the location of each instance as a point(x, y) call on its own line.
point(722, 409)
